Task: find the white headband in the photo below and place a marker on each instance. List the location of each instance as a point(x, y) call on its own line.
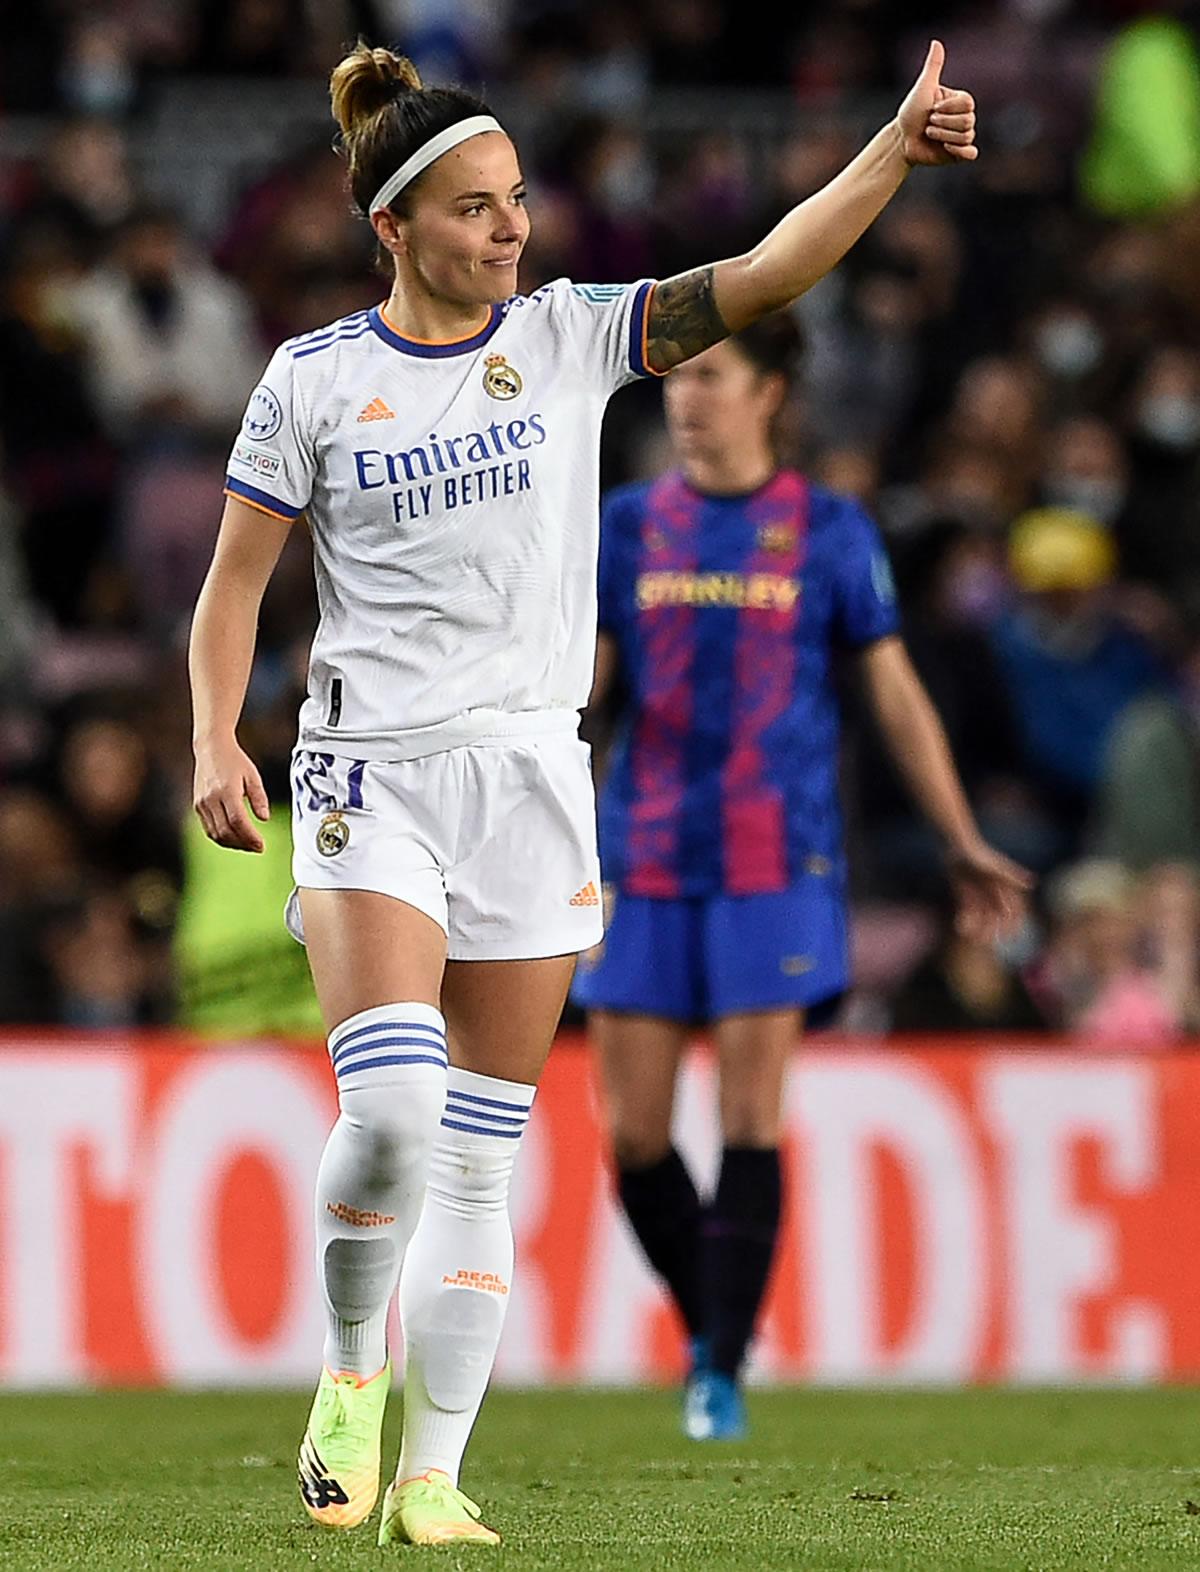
point(424, 156)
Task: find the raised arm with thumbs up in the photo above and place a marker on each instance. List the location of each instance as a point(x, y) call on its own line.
point(689, 313)
point(937, 123)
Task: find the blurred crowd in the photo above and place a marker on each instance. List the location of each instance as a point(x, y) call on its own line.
point(1006, 371)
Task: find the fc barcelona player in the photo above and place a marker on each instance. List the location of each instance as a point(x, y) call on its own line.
point(725, 588)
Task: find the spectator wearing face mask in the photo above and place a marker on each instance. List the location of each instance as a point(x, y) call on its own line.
point(605, 167)
point(1159, 537)
point(1085, 468)
point(1067, 341)
point(169, 340)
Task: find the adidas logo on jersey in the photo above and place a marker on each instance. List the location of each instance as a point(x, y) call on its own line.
point(377, 410)
point(586, 897)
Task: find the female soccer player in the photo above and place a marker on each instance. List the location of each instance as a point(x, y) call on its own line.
point(724, 589)
point(444, 448)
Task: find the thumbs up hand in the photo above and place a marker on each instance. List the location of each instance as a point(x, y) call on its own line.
point(937, 124)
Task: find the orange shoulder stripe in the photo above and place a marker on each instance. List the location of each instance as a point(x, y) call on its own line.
point(270, 512)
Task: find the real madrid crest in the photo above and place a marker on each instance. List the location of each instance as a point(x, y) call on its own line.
point(500, 379)
point(333, 835)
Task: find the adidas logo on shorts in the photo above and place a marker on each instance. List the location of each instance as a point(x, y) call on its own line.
point(586, 897)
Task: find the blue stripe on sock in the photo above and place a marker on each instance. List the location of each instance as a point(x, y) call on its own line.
point(422, 1051)
point(391, 1058)
point(387, 1026)
point(474, 1129)
point(492, 1102)
point(480, 1113)
point(395, 1040)
point(416, 1051)
point(390, 1043)
point(493, 1119)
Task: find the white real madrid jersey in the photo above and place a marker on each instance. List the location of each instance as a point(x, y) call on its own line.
point(452, 494)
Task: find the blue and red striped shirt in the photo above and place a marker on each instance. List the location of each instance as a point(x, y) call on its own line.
point(726, 612)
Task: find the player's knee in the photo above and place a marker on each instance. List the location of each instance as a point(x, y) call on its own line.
point(639, 1146)
point(394, 1126)
point(750, 1123)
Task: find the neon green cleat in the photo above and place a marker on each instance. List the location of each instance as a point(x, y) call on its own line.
point(339, 1456)
point(428, 1510)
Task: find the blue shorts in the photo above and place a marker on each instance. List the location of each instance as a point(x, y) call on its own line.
point(700, 958)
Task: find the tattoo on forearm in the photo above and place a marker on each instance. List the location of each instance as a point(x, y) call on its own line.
point(683, 319)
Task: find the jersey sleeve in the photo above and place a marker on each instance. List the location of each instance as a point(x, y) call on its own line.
point(272, 464)
point(607, 323)
point(865, 591)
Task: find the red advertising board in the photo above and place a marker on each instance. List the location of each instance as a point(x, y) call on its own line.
point(955, 1213)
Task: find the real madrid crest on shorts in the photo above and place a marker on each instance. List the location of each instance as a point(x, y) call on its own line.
point(333, 835)
point(500, 379)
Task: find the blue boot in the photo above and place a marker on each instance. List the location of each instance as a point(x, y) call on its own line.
point(713, 1409)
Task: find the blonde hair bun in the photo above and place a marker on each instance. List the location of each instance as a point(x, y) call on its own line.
point(365, 82)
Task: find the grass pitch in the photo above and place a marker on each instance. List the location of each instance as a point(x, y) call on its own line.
point(829, 1482)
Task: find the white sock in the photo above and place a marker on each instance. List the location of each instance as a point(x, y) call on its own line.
point(390, 1064)
point(458, 1270)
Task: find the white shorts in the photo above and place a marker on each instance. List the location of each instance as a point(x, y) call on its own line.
point(495, 841)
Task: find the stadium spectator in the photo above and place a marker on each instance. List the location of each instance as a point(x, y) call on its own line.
point(291, 243)
point(1067, 339)
point(250, 37)
point(1069, 664)
point(1097, 975)
point(17, 614)
point(39, 871)
point(84, 188)
point(58, 463)
point(969, 985)
point(1144, 156)
point(1085, 468)
point(126, 821)
point(166, 337)
point(105, 974)
point(99, 74)
point(1169, 900)
point(1148, 807)
point(1159, 532)
point(605, 170)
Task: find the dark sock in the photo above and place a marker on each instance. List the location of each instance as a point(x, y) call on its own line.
point(740, 1229)
point(664, 1209)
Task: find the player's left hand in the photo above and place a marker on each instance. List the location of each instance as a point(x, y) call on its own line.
point(990, 891)
point(937, 124)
